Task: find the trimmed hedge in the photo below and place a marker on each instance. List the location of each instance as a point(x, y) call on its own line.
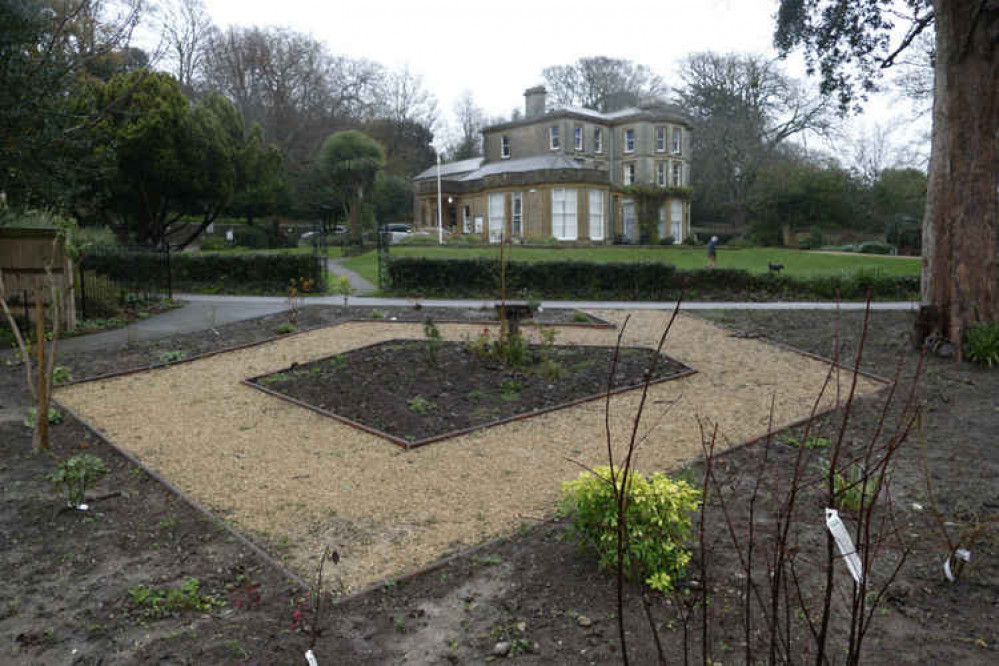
point(640, 281)
point(221, 271)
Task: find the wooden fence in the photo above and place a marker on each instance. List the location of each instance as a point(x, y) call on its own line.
point(24, 255)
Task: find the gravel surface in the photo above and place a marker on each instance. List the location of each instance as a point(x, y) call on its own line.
point(296, 480)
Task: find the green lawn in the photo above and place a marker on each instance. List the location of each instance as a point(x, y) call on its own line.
point(796, 262)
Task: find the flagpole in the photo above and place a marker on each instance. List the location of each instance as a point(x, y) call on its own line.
point(440, 223)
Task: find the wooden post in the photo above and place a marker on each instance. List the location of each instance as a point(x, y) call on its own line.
point(40, 439)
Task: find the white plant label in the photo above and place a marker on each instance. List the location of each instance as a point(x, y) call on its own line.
point(311, 658)
point(960, 554)
point(844, 543)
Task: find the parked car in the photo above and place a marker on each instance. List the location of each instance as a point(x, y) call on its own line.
point(397, 227)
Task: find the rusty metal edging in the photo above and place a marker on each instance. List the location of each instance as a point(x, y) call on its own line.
point(253, 382)
point(602, 325)
point(244, 540)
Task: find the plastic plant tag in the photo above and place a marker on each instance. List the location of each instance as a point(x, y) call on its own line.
point(844, 543)
point(961, 554)
point(311, 658)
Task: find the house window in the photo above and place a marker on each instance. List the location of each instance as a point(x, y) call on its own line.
point(676, 217)
point(598, 140)
point(564, 214)
point(629, 174)
point(497, 216)
point(661, 174)
point(677, 140)
point(629, 141)
point(466, 220)
point(578, 136)
point(517, 206)
point(677, 174)
point(596, 215)
point(553, 137)
point(505, 147)
point(630, 222)
point(662, 222)
point(660, 139)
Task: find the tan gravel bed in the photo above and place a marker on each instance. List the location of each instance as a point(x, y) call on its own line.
point(298, 480)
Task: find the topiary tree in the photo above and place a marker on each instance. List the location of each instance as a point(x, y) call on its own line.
point(349, 162)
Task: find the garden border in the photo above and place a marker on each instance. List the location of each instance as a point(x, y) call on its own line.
point(253, 382)
point(446, 559)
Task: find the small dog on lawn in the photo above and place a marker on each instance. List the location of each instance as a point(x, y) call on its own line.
point(775, 268)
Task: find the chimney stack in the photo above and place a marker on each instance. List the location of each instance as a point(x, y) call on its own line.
point(534, 101)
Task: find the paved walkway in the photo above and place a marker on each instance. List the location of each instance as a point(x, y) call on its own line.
point(205, 311)
point(359, 284)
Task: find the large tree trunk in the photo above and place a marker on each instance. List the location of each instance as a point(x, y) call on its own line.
point(960, 225)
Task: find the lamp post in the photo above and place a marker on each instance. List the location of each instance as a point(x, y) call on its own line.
point(440, 222)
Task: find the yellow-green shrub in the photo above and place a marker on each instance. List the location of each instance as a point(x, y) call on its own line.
point(658, 522)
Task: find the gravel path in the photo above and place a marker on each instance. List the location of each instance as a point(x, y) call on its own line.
point(297, 480)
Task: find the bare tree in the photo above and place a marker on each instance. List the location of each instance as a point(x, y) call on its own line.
point(602, 83)
point(405, 99)
point(470, 118)
point(745, 110)
point(186, 28)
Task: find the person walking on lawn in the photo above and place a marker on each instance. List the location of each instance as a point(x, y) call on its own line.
point(712, 251)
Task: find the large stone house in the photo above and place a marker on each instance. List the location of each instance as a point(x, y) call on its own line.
point(564, 173)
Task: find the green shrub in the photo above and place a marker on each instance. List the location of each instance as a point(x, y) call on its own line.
point(874, 247)
point(254, 238)
point(173, 356)
point(220, 271)
point(76, 475)
point(981, 344)
point(163, 602)
point(285, 328)
point(479, 277)
point(658, 522)
point(466, 239)
point(813, 241)
point(420, 405)
point(739, 244)
point(54, 417)
point(212, 244)
point(61, 374)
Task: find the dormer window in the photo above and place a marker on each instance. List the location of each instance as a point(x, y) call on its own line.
point(553, 139)
point(660, 139)
point(629, 141)
point(677, 140)
point(578, 137)
point(505, 147)
point(598, 140)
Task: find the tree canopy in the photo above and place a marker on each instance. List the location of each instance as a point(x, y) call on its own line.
point(602, 83)
point(349, 162)
point(850, 44)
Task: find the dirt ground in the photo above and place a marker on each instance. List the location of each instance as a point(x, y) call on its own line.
point(67, 575)
point(290, 476)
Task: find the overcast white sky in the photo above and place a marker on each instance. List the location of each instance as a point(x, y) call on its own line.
point(498, 49)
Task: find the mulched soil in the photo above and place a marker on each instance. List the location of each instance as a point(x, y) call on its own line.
point(416, 392)
point(66, 575)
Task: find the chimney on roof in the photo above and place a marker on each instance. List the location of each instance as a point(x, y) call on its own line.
point(534, 101)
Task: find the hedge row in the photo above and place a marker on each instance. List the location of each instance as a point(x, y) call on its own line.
point(631, 281)
point(220, 271)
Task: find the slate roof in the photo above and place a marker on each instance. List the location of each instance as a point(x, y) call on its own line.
point(452, 169)
point(534, 163)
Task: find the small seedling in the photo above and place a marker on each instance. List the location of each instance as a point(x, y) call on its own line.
point(162, 602)
point(54, 417)
point(433, 341)
point(580, 318)
point(285, 328)
point(76, 475)
point(173, 356)
point(812, 443)
point(61, 374)
point(510, 390)
point(420, 405)
point(475, 395)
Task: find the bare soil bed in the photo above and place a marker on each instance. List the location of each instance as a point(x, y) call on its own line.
point(64, 595)
point(417, 393)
